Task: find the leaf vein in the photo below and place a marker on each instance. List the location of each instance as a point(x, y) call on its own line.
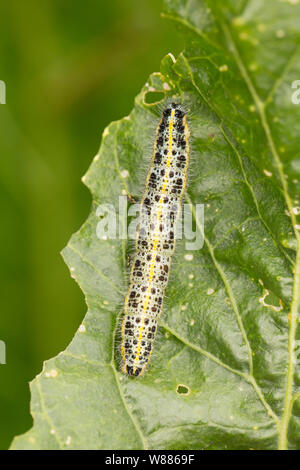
point(45, 413)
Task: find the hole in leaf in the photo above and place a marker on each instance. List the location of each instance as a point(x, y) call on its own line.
point(270, 300)
point(153, 97)
point(182, 389)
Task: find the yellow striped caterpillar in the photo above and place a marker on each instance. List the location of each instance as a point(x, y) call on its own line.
point(156, 238)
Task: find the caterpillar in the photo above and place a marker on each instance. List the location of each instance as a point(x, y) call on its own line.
point(155, 240)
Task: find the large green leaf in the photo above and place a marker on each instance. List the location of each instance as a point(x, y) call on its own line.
point(228, 333)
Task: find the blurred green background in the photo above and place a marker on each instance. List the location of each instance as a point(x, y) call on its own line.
point(70, 68)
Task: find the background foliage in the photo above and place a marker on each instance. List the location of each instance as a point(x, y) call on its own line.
point(70, 68)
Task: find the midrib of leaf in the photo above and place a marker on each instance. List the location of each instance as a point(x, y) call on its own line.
point(287, 410)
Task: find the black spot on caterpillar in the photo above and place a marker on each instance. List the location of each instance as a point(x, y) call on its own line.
point(156, 238)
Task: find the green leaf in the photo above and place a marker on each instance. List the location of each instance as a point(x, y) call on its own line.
point(225, 372)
